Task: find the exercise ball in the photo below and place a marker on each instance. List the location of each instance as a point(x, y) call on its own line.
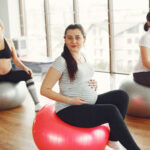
point(139, 98)
point(12, 94)
point(51, 133)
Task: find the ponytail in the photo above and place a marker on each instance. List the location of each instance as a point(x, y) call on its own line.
point(71, 63)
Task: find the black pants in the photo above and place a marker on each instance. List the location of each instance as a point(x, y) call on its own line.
point(16, 76)
point(142, 78)
point(109, 108)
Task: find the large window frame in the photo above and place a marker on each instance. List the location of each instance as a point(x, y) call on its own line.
point(76, 20)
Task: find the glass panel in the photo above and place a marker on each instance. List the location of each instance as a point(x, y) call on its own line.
point(60, 15)
point(35, 27)
point(93, 15)
point(129, 18)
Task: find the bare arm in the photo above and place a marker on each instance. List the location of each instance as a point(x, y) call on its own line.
point(47, 89)
point(16, 60)
point(145, 54)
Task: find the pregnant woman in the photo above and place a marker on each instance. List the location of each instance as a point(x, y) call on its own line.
point(78, 103)
point(7, 74)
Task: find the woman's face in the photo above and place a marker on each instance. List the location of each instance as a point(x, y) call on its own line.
point(74, 40)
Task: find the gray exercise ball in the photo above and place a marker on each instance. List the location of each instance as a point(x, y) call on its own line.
point(12, 94)
point(139, 98)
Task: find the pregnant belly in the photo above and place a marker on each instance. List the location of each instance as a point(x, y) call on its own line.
point(5, 67)
point(82, 91)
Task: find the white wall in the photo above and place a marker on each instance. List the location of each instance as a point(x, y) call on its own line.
point(4, 16)
point(9, 13)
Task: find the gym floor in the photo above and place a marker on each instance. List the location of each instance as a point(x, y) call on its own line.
point(16, 124)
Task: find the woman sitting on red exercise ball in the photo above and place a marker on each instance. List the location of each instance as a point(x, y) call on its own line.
point(78, 103)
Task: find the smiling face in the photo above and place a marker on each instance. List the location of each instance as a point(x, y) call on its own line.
point(74, 40)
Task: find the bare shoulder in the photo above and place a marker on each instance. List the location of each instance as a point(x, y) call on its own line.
point(10, 43)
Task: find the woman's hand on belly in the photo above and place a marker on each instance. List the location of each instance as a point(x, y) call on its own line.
point(77, 101)
point(93, 84)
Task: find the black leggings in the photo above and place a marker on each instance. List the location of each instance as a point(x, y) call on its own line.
point(16, 76)
point(142, 78)
point(109, 108)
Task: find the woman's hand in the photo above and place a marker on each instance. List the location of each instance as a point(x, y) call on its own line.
point(93, 84)
point(77, 101)
point(28, 71)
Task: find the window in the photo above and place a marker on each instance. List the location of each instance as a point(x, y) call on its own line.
point(129, 41)
point(35, 24)
point(129, 18)
point(60, 15)
point(93, 15)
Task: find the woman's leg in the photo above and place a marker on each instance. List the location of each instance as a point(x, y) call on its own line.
point(142, 78)
point(20, 75)
point(118, 98)
point(94, 115)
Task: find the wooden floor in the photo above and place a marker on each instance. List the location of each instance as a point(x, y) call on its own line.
point(16, 125)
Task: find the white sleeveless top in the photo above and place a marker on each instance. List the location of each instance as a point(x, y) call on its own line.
point(144, 41)
point(78, 87)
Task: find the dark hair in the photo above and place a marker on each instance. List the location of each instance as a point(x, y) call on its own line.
point(146, 27)
point(70, 61)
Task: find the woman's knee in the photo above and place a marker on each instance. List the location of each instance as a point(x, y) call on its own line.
point(122, 96)
point(113, 108)
point(26, 75)
point(111, 111)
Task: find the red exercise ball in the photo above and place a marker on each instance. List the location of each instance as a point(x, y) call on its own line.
point(51, 133)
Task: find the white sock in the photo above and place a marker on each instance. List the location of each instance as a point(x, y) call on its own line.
point(33, 94)
point(115, 145)
point(38, 107)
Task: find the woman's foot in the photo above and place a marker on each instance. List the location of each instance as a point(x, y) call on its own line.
point(115, 145)
point(38, 107)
